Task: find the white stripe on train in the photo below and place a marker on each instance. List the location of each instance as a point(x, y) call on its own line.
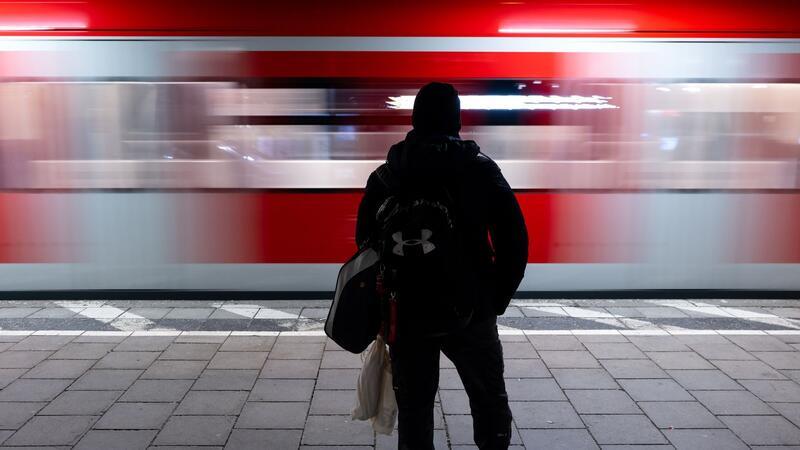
point(322, 277)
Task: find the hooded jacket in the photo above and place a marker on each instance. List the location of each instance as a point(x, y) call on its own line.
point(490, 217)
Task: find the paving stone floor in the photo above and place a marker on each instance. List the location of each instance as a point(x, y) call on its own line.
point(581, 374)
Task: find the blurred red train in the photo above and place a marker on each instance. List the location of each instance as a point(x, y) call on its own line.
point(223, 145)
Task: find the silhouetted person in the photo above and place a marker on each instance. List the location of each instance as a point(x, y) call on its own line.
point(495, 249)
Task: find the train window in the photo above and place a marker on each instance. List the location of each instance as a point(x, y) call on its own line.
point(546, 134)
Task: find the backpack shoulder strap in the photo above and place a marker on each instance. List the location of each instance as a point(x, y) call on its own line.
point(386, 177)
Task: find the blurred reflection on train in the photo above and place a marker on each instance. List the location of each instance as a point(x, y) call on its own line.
point(234, 163)
point(549, 134)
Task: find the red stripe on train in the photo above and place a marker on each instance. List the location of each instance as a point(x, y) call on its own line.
point(294, 227)
point(36, 228)
point(766, 228)
point(354, 64)
point(406, 18)
point(564, 227)
point(442, 65)
point(285, 227)
point(318, 227)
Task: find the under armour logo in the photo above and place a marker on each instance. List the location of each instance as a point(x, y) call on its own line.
point(425, 235)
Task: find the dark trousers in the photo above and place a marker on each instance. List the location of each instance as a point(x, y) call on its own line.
point(478, 356)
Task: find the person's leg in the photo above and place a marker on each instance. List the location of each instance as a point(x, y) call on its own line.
point(478, 356)
point(415, 376)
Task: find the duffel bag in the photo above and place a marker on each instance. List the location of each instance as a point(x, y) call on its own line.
point(354, 318)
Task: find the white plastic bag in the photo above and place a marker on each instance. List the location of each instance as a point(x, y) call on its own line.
point(386, 415)
point(370, 381)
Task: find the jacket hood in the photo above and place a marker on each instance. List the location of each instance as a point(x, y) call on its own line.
point(437, 109)
point(430, 155)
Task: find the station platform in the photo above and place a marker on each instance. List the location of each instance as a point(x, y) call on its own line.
point(581, 374)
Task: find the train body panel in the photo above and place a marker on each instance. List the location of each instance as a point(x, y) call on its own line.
point(224, 145)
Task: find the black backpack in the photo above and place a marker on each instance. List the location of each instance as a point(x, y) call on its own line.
point(422, 257)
